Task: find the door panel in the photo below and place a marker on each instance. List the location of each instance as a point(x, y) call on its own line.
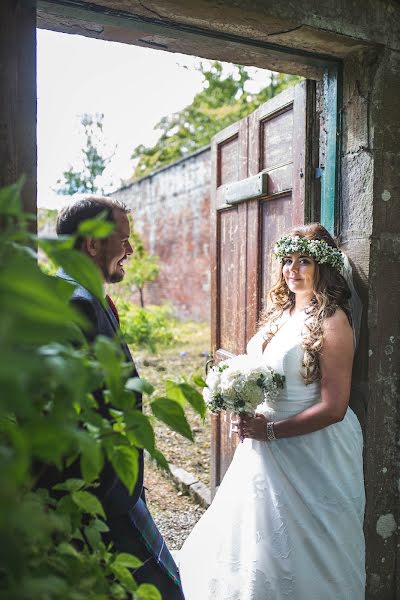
point(272, 140)
point(276, 139)
point(275, 219)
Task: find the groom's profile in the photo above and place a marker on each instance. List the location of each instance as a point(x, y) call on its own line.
point(131, 526)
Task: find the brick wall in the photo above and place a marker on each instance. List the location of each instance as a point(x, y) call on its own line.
point(171, 210)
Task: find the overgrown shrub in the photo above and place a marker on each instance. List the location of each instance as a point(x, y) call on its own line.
point(51, 545)
point(150, 327)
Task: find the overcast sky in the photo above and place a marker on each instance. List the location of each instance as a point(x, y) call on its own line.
point(134, 87)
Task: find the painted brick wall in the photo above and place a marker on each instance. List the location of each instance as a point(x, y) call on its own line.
point(171, 209)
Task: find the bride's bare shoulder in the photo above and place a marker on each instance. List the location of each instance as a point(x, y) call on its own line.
point(337, 325)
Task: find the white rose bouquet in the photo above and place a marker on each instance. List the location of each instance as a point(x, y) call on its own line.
point(239, 384)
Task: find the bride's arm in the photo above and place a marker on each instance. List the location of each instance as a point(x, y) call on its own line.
point(336, 362)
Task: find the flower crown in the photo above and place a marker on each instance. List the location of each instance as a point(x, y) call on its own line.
point(319, 250)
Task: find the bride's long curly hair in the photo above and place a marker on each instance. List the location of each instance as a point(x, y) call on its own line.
point(330, 292)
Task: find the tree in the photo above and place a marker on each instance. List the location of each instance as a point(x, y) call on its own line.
point(93, 158)
point(142, 267)
point(223, 100)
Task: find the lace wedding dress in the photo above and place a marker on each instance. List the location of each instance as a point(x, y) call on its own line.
point(286, 522)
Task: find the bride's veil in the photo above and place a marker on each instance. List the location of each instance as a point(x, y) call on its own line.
point(354, 302)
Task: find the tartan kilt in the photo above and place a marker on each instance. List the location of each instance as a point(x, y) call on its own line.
point(153, 540)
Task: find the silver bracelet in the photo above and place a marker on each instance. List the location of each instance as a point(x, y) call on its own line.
point(270, 431)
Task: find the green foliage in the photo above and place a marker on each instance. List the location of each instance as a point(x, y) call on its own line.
point(141, 268)
point(223, 101)
point(51, 544)
point(150, 327)
point(93, 158)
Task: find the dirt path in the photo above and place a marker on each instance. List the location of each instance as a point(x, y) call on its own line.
point(174, 512)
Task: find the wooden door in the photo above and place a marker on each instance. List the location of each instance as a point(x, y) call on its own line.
point(260, 166)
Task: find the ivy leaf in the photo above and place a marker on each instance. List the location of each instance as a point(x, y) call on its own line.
point(140, 429)
point(127, 560)
point(138, 384)
point(171, 413)
point(88, 503)
point(125, 461)
point(147, 591)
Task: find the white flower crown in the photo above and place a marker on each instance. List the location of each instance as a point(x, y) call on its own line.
point(319, 250)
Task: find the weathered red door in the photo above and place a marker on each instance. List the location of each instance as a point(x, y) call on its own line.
point(260, 168)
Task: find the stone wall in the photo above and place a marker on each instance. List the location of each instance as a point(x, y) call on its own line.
point(171, 209)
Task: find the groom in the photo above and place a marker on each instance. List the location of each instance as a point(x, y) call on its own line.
point(132, 528)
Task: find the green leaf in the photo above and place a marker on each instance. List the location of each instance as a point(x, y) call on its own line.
point(125, 461)
point(88, 503)
point(68, 550)
point(34, 305)
point(98, 227)
point(160, 459)
point(147, 591)
point(70, 485)
point(127, 560)
point(91, 459)
point(100, 526)
point(194, 398)
point(138, 384)
point(93, 536)
point(10, 198)
point(199, 381)
point(171, 413)
point(139, 427)
point(124, 576)
point(109, 356)
point(78, 266)
point(174, 392)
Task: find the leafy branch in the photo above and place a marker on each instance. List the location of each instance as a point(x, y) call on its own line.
point(52, 422)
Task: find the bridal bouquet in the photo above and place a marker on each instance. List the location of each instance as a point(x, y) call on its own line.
point(240, 384)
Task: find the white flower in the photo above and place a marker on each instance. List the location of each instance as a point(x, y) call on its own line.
point(240, 384)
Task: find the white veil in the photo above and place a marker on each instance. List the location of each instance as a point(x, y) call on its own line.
point(354, 302)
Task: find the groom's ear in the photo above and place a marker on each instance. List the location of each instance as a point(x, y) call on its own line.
point(91, 246)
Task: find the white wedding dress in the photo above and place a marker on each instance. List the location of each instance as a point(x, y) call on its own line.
point(287, 520)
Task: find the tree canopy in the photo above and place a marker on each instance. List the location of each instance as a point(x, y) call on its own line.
point(94, 159)
point(223, 100)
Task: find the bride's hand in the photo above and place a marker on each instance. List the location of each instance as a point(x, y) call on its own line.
point(252, 427)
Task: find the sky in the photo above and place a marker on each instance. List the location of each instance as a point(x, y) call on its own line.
point(132, 86)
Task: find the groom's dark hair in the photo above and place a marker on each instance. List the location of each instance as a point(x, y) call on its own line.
point(71, 216)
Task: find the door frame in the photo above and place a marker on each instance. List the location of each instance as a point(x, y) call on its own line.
point(138, 28)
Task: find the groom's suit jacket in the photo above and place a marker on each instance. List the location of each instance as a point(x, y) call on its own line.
point(113, 494)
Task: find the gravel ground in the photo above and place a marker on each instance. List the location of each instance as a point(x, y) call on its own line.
point(175, 512)
point(183, 360)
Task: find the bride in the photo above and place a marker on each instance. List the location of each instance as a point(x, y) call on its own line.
point(287, 520)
